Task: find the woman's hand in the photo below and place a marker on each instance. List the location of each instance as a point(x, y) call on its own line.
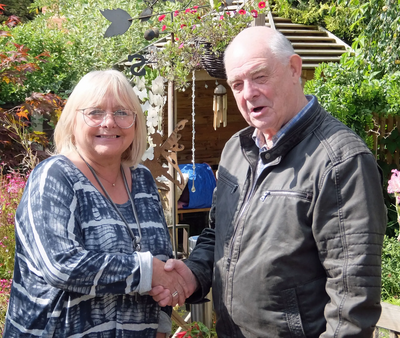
point(186, 280)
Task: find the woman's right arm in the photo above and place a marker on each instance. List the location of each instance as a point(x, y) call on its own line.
point(52, 240)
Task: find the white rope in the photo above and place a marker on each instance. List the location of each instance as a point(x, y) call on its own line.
point(193, 129)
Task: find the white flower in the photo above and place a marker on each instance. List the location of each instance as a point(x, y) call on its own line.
point(152, 116)
point(140, 82)
point(156, 99)
point(145, 106)
point(158, 85)
point(141, 94)
point(148, 154)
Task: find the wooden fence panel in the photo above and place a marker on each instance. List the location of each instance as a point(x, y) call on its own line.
point(383, 127)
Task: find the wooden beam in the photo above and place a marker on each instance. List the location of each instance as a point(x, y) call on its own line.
point(390, 318)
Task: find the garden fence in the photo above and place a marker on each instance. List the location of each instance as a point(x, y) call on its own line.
point(384, 126)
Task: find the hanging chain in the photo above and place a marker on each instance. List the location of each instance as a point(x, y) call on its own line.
point(193, 129)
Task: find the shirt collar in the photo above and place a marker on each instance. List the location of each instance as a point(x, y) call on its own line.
point(259, 139)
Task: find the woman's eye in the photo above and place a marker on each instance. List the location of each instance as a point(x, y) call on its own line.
point(121, 113)
point(96, 112)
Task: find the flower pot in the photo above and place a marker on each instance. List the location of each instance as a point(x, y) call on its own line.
point(211, 62)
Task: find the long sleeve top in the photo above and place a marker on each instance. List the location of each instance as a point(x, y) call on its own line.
point(76, 272)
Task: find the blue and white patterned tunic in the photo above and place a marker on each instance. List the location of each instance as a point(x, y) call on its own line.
point(76, 273)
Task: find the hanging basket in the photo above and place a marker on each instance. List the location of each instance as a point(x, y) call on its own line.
point(212, 63)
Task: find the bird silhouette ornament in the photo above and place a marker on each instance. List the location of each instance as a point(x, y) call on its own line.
point(122, 20)
point(167, 151)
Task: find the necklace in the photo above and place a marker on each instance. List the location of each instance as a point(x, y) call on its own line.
point(135, 239)
point(113, 184)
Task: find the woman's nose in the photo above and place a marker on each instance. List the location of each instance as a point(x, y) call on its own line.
point(108, 122)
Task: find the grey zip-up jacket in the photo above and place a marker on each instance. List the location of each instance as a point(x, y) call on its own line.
point(298, 252)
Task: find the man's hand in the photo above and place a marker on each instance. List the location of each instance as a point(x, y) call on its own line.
point(171, 281)
point(186, 281)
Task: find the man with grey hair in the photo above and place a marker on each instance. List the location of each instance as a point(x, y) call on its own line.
point(298, 217)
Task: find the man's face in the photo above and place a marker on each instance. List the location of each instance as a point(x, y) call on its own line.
point(263, 88)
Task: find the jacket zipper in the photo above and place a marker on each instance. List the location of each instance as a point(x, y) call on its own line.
point(233, 239)
point(303, 195)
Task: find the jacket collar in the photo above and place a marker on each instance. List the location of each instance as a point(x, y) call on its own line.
point(311, 120)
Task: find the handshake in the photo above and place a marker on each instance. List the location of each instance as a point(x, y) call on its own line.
point(172, 282)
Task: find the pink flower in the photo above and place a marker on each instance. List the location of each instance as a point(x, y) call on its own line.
point(242, 11)
point(394, 182)
point(161, 17)
point(163, 28)
point(254, 13)
point(181, 45)
point(176, 13)
point(187, 10)
point(221, 17)
point(261, 4)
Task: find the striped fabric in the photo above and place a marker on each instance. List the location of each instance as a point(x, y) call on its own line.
point(76, 274)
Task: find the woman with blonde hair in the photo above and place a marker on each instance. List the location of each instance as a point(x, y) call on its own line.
point(91, 238)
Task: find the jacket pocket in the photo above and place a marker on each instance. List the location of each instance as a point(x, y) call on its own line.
point(286, 193)
point(292, 313)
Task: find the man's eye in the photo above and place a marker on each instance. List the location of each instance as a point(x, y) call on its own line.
point(236, 86)
point(260, 78)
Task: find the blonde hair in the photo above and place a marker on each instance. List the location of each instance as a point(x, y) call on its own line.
point(90, 92)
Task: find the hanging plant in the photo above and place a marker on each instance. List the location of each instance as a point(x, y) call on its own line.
point(197, 34)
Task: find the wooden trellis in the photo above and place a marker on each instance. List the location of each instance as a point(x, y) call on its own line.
point(383, 127)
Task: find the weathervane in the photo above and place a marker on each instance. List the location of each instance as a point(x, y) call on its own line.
point(122, 20)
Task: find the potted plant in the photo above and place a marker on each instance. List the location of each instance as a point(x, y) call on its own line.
point(198, 38)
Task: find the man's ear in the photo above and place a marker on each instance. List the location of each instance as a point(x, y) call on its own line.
point(295, 64)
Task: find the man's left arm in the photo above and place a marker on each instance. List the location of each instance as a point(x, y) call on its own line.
point(349, 225)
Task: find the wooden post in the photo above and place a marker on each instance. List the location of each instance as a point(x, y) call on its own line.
point(259, 20)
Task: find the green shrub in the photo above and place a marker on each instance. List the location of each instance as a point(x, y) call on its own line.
point(391, 270)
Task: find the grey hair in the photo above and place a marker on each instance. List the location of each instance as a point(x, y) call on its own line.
point(277, 43)
point(281, 47)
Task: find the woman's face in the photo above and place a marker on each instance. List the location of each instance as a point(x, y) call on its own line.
point(105, 143)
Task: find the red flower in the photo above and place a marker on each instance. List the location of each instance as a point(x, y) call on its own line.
point(254, 13)
point(261, 4)
point(161, 17)
point(187, 10)
point(193, 11)
point(181, 334)
point(242, 11)
point(196, 7)
point(183, 25)
point(176, 13)
point(163, 28)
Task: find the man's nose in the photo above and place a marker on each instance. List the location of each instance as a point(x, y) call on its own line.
point(250, 90)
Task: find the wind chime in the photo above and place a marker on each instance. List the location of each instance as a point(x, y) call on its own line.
point(220, 106)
